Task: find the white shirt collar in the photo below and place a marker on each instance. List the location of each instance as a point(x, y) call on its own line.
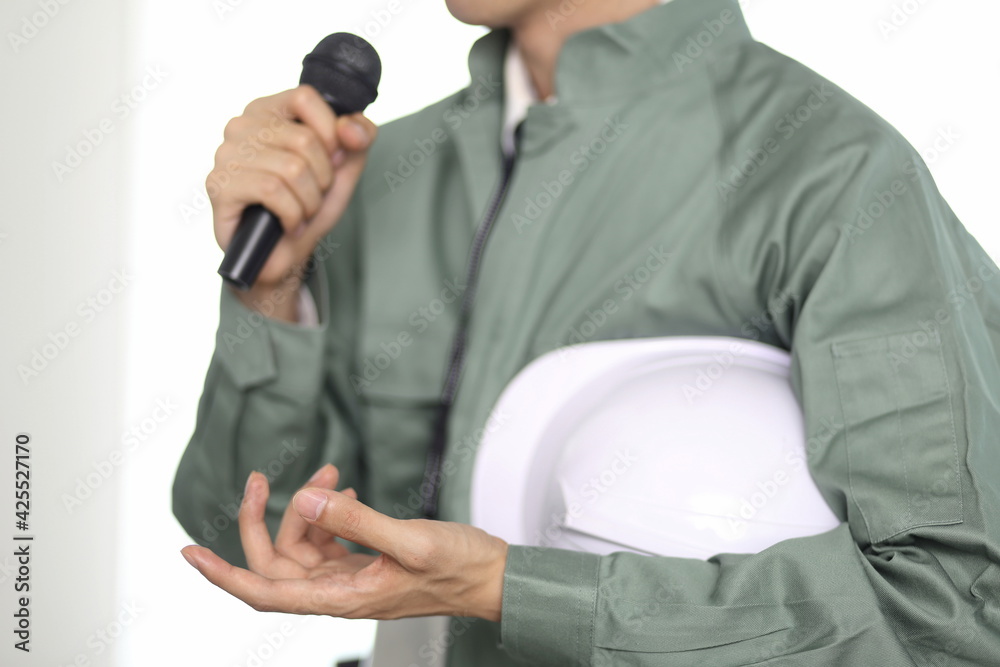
point(519, 94)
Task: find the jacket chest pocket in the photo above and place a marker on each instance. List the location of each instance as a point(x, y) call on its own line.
point(397, 378)
point(902, 451)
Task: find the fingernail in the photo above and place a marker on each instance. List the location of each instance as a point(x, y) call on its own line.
point(246, 487)
point(338, 158)
point(190, 560)
point(309, 503)
point(359, 132)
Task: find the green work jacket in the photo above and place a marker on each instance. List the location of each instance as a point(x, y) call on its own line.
point(687, 181)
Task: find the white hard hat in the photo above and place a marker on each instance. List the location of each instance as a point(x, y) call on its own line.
point(679, 446)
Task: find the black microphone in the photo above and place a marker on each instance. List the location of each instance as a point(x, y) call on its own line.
point(345, 69)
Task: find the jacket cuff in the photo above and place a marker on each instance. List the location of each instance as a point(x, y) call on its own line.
point(255, 349)
point(549, 604)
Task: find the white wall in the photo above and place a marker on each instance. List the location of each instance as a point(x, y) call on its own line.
point(61, 242)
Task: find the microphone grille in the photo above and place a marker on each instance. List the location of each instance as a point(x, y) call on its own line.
point(346, 70)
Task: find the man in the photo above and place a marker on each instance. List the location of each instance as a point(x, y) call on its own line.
point(772, 205)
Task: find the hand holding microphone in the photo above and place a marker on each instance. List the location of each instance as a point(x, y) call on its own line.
point(294, 160)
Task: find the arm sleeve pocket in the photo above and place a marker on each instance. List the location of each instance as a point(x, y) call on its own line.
point(898, 412)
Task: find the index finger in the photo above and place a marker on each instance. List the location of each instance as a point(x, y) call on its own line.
point(293, 527)
point(294, 596)
point(254, 536)
point(305, 105)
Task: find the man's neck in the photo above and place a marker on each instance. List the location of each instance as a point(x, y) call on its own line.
point(541, 33)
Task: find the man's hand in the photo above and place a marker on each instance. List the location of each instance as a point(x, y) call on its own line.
point(425, 568)
point(304, 172)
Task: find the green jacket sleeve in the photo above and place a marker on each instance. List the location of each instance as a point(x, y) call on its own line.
point(276, 399)
point(892, 314)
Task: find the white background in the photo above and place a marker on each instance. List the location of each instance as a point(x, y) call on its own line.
point(61, 242)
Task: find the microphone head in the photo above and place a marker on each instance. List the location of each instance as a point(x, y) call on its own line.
point(345, 69)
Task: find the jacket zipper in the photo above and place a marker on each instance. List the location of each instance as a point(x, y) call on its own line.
point(432, 473)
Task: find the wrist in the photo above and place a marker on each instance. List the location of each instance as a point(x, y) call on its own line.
point(278, 301)
point(491, 603)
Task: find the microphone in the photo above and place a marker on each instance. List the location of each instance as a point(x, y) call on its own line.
point(345, 69)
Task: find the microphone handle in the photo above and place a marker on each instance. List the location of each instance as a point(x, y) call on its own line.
point(256, 235)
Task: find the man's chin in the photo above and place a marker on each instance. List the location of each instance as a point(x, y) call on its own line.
point(472, 12)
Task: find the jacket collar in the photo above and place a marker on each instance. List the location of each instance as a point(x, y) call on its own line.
point(663, 43)
point(604, 65)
